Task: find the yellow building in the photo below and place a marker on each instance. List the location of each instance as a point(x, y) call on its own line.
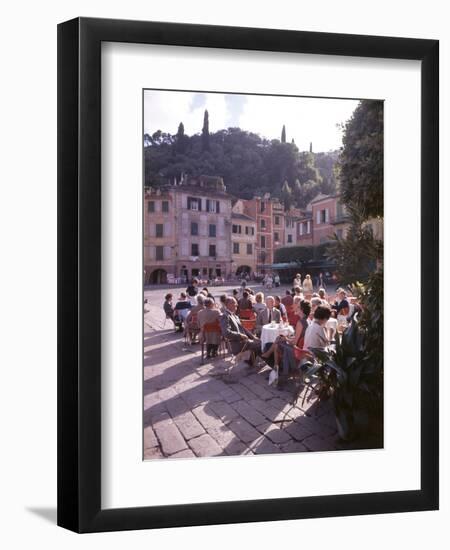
point(159, 235)
point(243, 240)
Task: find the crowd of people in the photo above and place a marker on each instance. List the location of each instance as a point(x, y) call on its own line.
point(315, 320)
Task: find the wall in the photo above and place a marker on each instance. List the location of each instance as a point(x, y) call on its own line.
point(28, 218)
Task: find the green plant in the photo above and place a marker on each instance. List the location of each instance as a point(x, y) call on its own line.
point(346, 375)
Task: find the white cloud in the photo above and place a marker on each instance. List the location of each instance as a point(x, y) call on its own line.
point(307, 119)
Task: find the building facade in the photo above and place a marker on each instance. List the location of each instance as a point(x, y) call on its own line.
point(203, 222)
point(329, 216)
point(278, 224)
point(260, 209)
point(243, 240)
point(159, 235)
point(290, 232)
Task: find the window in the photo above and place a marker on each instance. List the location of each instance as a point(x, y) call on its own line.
point(247, 229)
point(308, 227)
point(263, 241)
point(277, 220)
point(194, 204)
point(159, 230)
point(160, 253)
point(276, 237)
point(212, 250)
point(263, 206)
point(289, 239)
point(194, 228)
point(235, 248)
point(237, 229)
point(249, 249)
point(263, 224)
point(253, 230)
point(339, 233)
point(165, 206)
point(194, 249)
point(212, 206)
point(151, 206)
point(212, 230)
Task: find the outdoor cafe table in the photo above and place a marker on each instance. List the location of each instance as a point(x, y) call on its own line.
point(270, 332)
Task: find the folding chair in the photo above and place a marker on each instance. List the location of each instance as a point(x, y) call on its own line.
point(210, 328)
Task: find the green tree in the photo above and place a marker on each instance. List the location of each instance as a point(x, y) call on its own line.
point(286, 195)
point(361, 160)
point(283, 134)
point(181, 139)
point(205, 131)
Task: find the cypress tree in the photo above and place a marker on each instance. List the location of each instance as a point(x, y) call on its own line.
point(205, 132)
point(283, 134)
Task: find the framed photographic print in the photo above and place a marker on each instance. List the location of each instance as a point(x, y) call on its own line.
point(243, 216)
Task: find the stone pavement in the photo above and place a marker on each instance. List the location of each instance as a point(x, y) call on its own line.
point(201, 410)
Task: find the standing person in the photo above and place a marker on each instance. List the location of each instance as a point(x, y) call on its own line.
point(297, 281)
point(323, 296)
point(307, 285)
point(320, 281)
point(276, 280)
point(332, 325)
point(208, 316)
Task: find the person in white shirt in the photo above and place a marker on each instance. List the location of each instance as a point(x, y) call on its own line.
point(332, 325)
point(316, 335)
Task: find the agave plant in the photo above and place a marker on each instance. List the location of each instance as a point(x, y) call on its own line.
point(346, 376)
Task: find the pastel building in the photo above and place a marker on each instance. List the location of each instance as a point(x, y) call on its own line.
point(243, 240)
point(278, 223)
point(159, 235)
point(203, 227)
point(329, 216)
point(290, 227)
point(260, 209)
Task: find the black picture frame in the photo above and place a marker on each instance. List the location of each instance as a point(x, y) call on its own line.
point(79, 274)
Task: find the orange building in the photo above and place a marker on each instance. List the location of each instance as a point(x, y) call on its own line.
point(260, 209)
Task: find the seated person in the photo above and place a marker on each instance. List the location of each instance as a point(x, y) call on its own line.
point(341, 305)
point(316, 335)
point(182, 308)
point(287, 350)
point(267, 315)
point(240, 339)
point(259, 304)
point(192, 289)
point(191, 320)
point(170, 312)
point(208, 316)
point(207, 293)
point(222, 300)
point(288, 300)
point(281, 308)
point(244, 303)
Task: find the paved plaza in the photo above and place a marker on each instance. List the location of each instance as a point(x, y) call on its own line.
point(199, 410)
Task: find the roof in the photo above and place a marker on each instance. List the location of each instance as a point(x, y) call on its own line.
point(237, 216)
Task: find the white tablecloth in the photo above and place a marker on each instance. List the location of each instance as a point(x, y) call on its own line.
point(269, 333)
